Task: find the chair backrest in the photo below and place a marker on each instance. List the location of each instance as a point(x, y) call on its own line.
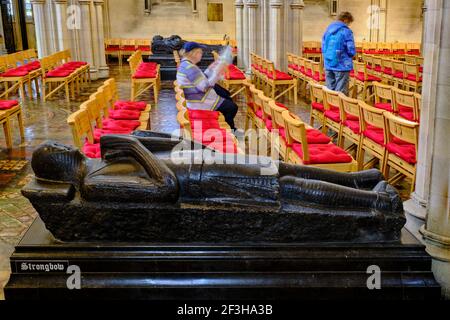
point(383, 92)
point(128, 43)
point(359, 67)
point(277, 115)
point(402, 129)
point(371, 116)
point(81, 127)
point(317, 94)
point(398, 66)
point(418, 98)
point(386, 63)
point(183, 121)
point(94, 108)
point(267, 112)
point(348, 106)
point(296, 132)
point(405, 99)
point(257, 103)
point(331, 98)
point(111, 83)
point(308, 65)
point(249, 89)
point(412, 69)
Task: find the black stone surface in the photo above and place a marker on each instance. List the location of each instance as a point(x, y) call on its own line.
point(222, 271)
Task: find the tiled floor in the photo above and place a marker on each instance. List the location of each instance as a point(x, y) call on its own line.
point(47, 121)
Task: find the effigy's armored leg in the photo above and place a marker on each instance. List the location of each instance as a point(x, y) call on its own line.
point(361, 180)
point(383, 197)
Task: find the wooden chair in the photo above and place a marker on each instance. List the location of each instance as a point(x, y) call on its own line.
point(373, 136)
point(326, 156)
point(82, 133)
point(318, 74)
point(363, 80)
point(144, 46)
point(332, 114)
point(278, 126)
point(250, 106)
point(317, 104)
point(413, 78)
point(276, 79)
point(405, 104)
point(112, 48)
point(383, 97)
point(398, 73)
point(128, 47)
point(387, 69)
point(402, 141)
point(6, 116)
point(141, 82)
point(257, 107)
point(351, 124)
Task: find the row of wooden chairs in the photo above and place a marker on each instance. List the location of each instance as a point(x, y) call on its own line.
point(305, 70)
point(10, 109)
point(144, 76)
point(121, 48)
point(18, 70)
point(274, 83)
point(291, 138)
point(59, 72)
point(104, 114)
point(205, 126)
point(405, 74)
point(391, 139)
point(388, 48)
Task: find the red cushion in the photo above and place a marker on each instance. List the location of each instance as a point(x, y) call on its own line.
point(405, 151)
point(387, 71)
point(16, 72)
point(100, 132)
point(144, 48)
point(147, 66)
point(375, 134)
point(413, 77)
point(280, 75)
point(144, 74)
point(130, 105)
point(203, 114)
point(279, 104)
point(294, 67)
point(128, 48)
point(92, 150)
point(323, 153)
point(259, 113)
point(269, 124)
point(110, 124)
point(369, 77)
point(398, 74)
point(33, 65)
point(353, 125)
point(112, 48)
point(319, 77)
point(318, 106)
point(384, 106)
point(8, 104)
point(378, 68)
point(235, 75)
point(208, 135)
point(408, 115)
point(333, 114)
point(124, 115)
point(58, 73)
point(314, 136)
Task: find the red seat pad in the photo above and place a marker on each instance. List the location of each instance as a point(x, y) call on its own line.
point(406, 151)
point(235, 75)
point(110, 124)
point(313, 136)
point(333, 114)
point(58, 73)
point(318, 106)
point(144, 48)
point(375, 134)
point(406, 112)
point(421, 69)
point(280, 76)
point(33, 65)
point(92, 150)
point(8, 104)
point(124, 115)
point(378, 68)
point(128, 48)
point(269, 125)
point(144, 74)
point(368, 77)
point(384, 106)
point(259, 113)
point(130, 105)
point(353, 125)
point(203, 114)
point(294, 67)
point(209, 135)
point(98, 133)
point(398, 74)
point(387, 71)
point(413, 77)
point(319, 77)
point(112, 48)
point(17, 72)
point(323, 153)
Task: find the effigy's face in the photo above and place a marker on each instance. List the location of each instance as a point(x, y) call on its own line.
point(198, 54)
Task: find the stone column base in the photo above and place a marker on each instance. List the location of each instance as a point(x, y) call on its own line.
point(103, 72)
point(415, 218)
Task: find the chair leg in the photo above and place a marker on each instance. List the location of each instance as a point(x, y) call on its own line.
point(155, 92)
point(67, 92)
point(8, 134)
point(21, 126)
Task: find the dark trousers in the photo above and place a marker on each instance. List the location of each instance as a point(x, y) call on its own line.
point(228, 108)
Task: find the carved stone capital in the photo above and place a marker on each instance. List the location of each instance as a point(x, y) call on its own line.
point(36, 2)
point(275, 3)
point(239, 4)
point(297, 5)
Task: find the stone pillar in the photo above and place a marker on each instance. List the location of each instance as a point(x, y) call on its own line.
point(87, 37)
point(434, 149)
point(275, 27)
point(252, 30)
point(382, 21)
point(245, 35)
point(40, 23)
point(297, 26)
point(239, 4)
point(103, 69)
point(264, 28)
point(63, 37)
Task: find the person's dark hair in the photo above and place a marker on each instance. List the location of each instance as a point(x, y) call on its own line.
point(345, 16)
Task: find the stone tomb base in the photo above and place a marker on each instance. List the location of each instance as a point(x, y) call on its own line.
point(205, 271)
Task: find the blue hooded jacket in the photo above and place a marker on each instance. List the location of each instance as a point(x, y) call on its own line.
point(338, 47)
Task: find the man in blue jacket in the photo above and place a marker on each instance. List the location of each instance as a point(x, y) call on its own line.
point(338, 49)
